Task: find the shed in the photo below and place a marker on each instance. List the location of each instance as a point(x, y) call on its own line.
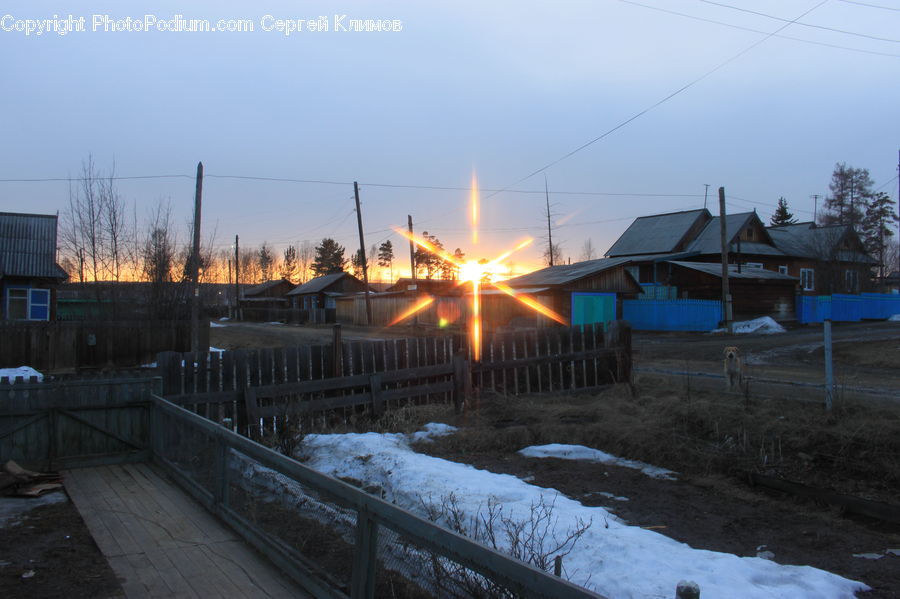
point(754, 291)
point(29, 274)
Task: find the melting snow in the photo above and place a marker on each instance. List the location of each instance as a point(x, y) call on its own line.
point(612, 558)
point(22, 371)
point(580, 452)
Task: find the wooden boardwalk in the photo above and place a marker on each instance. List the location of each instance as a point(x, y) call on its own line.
point(161, 543)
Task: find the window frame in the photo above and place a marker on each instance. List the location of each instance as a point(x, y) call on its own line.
point(808, 279)
point(35, 298)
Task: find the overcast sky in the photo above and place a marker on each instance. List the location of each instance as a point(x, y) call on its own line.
point(501, 89)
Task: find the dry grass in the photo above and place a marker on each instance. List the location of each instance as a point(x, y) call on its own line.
point(696, 432)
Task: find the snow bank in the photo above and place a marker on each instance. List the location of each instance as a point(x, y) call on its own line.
point(22, 371)
point(612, 558)
point(894, 318)
point(216, 325)
point(580, 452)
point(763, 326)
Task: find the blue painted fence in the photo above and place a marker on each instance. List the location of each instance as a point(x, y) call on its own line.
point(672, 315)
point(847, 308)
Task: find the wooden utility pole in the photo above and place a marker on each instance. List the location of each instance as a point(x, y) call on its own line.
point(195, 264)
point(412, 248)
point(362, 255)
point(726, 295)
point(237, 278)
point(549, 229)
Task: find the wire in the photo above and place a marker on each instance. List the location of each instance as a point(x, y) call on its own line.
point(678, 91)
point(67, 179)
point(750, 29)
point(870, 5)
point(783, 20)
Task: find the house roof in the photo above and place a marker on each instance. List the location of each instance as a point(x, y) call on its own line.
point(319, 284)
point(809, 240)
point(566, 273)
point(747, 272)
point(263, 287)
point(709, 241)
point(28, 246)
point(657, 233)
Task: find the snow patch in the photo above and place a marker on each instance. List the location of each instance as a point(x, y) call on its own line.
point(764, 325)
point(431, 431)
point(895, 318)
point(612, 558)
point(216, 325)
point(580, 452)
point(23, 371)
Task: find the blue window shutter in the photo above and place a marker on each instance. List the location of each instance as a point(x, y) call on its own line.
point(39, 304)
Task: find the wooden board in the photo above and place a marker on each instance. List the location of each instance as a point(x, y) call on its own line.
point(161, 543)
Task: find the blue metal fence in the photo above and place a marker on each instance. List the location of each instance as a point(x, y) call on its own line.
point(672, 315)
point(847, 308)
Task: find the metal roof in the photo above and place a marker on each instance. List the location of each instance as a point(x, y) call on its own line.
point(747, 272)
point(28, 246)
point(808, 240)
point(656, 234)
point(561, 275)
point(709, 241)
point(263, 287)
point(319, 284)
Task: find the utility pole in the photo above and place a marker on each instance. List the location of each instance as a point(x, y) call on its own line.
point(705, 193)
point(549, 229)
point(237, 279)
point(362, 255)
point(726, 295)
point(412, 248)
point(195, 264)
point(815, 198)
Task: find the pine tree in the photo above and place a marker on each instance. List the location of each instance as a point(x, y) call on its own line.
point(386, 257)
point(851, 193)
point(289, 265)
point(266, 261)
point(427, 260)
point(782, 215)
point(876, 226)
point(329, 258)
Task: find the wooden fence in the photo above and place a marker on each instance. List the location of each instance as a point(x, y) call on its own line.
point(46, 426)
point(270, 387)
point(92, 344)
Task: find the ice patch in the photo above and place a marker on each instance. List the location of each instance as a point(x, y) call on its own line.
point(580, 452)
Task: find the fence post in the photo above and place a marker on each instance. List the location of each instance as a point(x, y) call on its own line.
point(364, 556)
point(221, 480)
point(462, 382)
point(337, 352)
point(829, 377)
point(377, 402)
point(687, 589)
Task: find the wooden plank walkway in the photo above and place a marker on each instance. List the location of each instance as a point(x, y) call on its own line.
point(162, 543)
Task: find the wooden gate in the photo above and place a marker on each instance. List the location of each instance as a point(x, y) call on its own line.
point(47, 426)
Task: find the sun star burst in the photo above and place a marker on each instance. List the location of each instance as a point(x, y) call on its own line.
point(478, 273)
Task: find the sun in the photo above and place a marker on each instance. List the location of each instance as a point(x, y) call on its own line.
point(476, 273)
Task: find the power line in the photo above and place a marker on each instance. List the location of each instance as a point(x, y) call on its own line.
point(99, 178)
point(678, 91)
point(783, 20)
point(870, 5)
point(752, 30)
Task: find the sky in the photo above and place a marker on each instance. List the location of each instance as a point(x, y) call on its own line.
point(678, 95)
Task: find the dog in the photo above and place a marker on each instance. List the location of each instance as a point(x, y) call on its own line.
point(734, 369)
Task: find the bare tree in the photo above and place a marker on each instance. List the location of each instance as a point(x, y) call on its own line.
point(306, 253)
point(588, 252)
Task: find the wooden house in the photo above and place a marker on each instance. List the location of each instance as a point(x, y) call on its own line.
point(321, 293)
point(29, 274)
point(583, 293)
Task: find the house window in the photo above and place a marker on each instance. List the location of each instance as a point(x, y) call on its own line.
point(807, 279)
point(23, 303)
point(783, 269)
point(851, 277)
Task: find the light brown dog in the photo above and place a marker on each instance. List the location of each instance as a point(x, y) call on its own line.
point(734, 369)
